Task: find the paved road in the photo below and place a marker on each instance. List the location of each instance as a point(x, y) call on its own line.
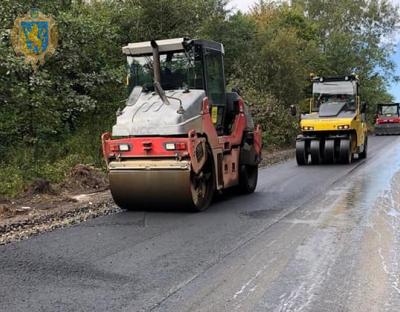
point(310, 239)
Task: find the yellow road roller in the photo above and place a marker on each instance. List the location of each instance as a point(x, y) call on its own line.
point(334, 129)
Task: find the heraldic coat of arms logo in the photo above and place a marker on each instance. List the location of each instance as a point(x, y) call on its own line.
point(34, 36)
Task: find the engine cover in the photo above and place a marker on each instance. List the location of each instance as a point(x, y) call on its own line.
point(145, 114)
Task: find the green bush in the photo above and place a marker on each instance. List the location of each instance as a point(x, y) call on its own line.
point(12, 180)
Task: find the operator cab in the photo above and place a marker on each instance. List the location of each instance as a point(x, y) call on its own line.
point(184, 64)
point(333, 95)
point(388, 110)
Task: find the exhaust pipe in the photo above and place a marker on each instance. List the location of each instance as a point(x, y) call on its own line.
point(156, 62)
point(157, 73)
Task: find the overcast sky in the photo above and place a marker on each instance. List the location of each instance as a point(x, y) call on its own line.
point(244, 5)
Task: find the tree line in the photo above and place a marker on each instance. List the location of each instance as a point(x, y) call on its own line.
point(52, 119)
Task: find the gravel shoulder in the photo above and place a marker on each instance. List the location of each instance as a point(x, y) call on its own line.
point(26, 221)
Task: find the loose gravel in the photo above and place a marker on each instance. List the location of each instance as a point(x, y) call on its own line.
point(23, 229)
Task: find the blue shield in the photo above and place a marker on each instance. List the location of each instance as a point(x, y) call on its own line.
point(36, 35)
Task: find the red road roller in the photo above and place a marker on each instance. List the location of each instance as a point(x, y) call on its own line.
point(387, 119)
point(180, 137)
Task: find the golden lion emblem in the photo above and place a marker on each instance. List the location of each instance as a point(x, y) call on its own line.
point(34, 36)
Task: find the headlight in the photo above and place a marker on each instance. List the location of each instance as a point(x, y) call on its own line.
point(124, 147)
point(343, 127)
point(120, 147)
point(179, 146)
point(170, 146)
point(308, 128)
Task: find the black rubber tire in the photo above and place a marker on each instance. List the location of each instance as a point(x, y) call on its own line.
point(345, 153)
point(301, 153)
point(329, 152)
point(205, 179)
point(315, 151)
point(363, 155)
point(248, 177)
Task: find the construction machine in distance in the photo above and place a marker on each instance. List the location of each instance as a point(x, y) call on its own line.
point(334, 129)
point(181, 137)
point(387, 119)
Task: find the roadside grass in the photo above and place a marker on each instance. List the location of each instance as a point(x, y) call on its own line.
point(52, 158)
point(24, 166)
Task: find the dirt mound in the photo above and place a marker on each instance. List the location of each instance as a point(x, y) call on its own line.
point(84, 178)
point(40, 186)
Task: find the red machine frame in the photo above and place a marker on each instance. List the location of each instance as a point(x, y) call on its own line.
point(225, 148)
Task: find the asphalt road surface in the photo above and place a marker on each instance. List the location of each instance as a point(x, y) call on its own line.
point(316, 238)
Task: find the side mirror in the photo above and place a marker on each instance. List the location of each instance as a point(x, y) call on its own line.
point(237, 90)
point(293, 110)
point(363, 107)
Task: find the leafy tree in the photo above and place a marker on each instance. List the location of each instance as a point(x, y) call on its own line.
point(356, 36)
point(285, 49)
point(237, 33)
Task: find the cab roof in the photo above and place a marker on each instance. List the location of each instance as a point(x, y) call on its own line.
point(169, 45)
point(351, 77)
point(388, 104)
